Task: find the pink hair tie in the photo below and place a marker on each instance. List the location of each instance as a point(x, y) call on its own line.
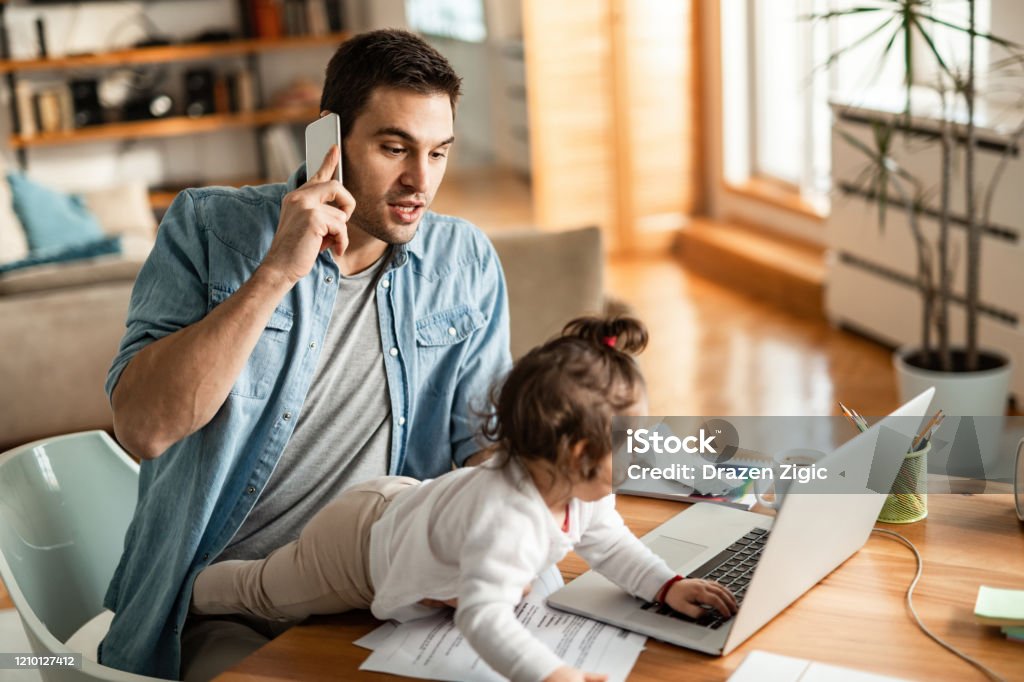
point(610, 341)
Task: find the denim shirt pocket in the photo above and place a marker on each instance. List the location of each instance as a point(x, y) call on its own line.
point(448, 327)
point(439, 346)
point(267, 358)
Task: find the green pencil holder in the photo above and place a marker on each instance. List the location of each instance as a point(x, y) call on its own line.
point(907, 501)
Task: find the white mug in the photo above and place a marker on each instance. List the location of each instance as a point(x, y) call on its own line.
point(783, 464)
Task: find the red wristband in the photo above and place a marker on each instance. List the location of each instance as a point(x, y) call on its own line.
point(663, 592)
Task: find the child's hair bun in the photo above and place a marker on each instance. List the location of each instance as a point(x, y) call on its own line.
point(625, 334)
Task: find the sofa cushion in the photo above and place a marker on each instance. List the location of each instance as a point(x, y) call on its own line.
point(112, 268)
point(51, 219)
point(123, 209)
point(13, 244)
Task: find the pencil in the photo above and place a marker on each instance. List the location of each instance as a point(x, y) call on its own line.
point(852, 416)
point(925, 432)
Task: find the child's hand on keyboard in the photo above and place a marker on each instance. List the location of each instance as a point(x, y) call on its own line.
point(690, 596)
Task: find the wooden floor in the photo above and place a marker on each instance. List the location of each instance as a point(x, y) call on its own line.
point(716, 352)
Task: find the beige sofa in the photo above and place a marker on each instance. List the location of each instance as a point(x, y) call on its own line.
point(60, 325)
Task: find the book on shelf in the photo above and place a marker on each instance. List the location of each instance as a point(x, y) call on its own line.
point(296, 18)
point(263, 18)
point(53, 108)
point(244, 94)
point(335, 15)
point(277, 18)
point(316, 17)
point(24, 100)
point(266, 18)
point(43, 107)
point(222, 103)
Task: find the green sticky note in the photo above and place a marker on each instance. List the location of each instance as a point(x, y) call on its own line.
point(999, 603)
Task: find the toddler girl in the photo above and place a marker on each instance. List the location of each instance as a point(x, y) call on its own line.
point(476, 537)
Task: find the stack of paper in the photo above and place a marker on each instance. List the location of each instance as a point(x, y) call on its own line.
point(1001, 607)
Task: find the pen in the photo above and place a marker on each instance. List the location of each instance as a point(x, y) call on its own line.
point(926, 432)
point(931, 431)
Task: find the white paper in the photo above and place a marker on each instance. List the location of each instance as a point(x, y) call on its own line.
point(433, 648)
point(822, 672)
point(762, 666)
point(378, 637)
point(544, 586)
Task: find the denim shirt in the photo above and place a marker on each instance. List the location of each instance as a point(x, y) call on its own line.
point(443, 314)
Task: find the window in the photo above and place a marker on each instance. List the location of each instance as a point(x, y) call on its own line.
point(775, 93)
point(458, 19)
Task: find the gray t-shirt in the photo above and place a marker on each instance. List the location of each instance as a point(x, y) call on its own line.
point(343, 434)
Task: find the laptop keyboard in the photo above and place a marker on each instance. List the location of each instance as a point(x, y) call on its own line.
point(733, 567)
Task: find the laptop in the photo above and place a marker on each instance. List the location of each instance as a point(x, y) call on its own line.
point(767, 563)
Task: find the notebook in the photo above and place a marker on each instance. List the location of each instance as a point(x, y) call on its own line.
point(997, 606)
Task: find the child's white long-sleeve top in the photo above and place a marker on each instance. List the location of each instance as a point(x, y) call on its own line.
point(482, 534)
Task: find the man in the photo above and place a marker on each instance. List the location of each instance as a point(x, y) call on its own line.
point(287, 341)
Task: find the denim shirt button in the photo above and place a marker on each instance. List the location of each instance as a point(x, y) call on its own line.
point(312, 345)
point(206, 556)
point(251, 490)
point(394, 352)
point(386, 283)
point(401, 421)
point(287, 416)
point(329, 279)
point(451, 331)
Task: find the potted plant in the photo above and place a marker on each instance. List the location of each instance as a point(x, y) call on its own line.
point(970, 380)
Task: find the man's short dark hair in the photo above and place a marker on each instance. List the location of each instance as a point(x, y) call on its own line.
point(385, 58)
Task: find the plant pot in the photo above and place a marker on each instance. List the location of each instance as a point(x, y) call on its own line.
point(975, 408)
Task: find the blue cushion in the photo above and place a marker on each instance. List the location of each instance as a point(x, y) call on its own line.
point(52, 219)
point(89, 249)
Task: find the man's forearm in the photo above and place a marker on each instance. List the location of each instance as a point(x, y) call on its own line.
point(175, 386)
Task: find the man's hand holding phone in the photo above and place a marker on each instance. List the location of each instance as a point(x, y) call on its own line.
point(314, 217)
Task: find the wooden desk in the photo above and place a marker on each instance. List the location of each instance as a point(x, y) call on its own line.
point(855, 617)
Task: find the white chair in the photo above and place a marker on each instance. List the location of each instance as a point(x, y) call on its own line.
point(65, 505)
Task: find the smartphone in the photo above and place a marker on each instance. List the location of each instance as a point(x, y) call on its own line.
point(320, 135)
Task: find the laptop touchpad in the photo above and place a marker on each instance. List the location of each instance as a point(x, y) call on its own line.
point(675, 552)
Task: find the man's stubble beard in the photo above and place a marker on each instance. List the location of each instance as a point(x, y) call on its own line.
point(380, 229)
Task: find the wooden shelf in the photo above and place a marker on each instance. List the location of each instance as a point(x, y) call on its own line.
point(167, 127)
point(171, 53)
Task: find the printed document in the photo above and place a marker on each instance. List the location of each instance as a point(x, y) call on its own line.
point(433, 648)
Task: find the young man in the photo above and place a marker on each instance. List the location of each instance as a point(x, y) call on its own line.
point(287, 341)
